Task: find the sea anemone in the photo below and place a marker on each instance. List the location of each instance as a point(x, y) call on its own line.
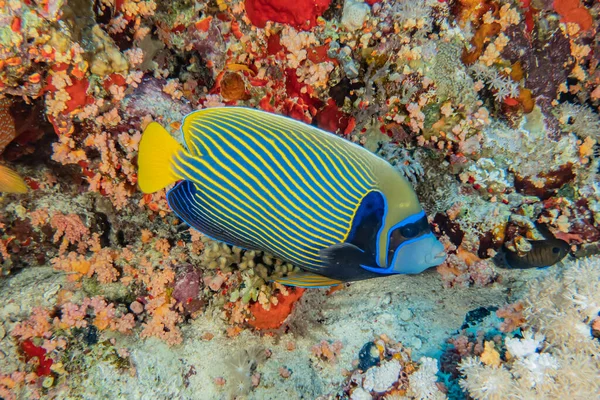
point(242, 367)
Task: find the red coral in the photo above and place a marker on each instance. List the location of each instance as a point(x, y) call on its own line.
point(114, 79)
point(299, 99)
point(318, 54)
point(77, 91)
point(32, 351)
point(274, 45)
point(573, 11)
point(276, 315)
point(332, 119)
point(301, 14)
point(79, 97)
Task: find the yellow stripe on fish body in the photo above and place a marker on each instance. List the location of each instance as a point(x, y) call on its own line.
point(266, 182)
point(269, 185)
point(335, 172)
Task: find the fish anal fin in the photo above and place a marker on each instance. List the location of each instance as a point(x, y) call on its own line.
point(306, 279)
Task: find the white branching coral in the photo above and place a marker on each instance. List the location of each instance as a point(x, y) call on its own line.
point(452, 82)
point(381, 378)
point(242, 366)
point(524, 347)
point(422, 383)
point(402, 159)
point(411, 14)
point(503, 86)
point(537, 371)
point(580, 120)
point(528, 150)
point(563, 306)
point(485, 383)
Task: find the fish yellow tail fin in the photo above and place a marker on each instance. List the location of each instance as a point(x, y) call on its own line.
point(11, 182)
point(155, 159)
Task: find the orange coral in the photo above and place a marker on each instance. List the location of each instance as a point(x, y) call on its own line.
point(485, 31)
point(526, 100)
point(327, 351)
point(38, 325)
point(233, 86)
point(516, 71)
point(70, 228)
point(572, 11)
point(471, 10)
point(512, 315)
point(276, 315)
point(490, 355)
point(163, 324)
point(468, 257)
point(101, 264)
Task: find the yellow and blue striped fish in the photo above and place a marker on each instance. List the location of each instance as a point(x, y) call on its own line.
point(266, 182)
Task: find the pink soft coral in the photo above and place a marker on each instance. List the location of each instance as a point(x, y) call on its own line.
point(37, 325)
point(70, 228)
point(164, 321)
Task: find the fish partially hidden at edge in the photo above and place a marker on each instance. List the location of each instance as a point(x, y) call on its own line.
point(543, 253)
point(11, 182)
point(266, 182)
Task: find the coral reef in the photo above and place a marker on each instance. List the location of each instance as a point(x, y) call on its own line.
point(489, 108)
point(554, 355)
point(395, 375)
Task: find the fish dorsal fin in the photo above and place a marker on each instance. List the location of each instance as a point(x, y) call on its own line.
point(307, 280)
point(544, 231)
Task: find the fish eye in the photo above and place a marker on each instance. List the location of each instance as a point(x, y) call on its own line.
point(555, 250)
point(408, 231)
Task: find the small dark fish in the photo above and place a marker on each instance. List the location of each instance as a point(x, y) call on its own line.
point(543, 253)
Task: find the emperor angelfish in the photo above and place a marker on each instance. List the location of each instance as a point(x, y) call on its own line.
point(266, 182)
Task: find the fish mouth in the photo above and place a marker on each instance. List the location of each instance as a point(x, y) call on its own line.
point(437, 259)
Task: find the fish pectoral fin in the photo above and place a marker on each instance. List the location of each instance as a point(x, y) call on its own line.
point(307, 280)
point(344, 255)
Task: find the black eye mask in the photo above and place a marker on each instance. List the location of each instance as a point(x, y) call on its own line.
point(406, 232)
